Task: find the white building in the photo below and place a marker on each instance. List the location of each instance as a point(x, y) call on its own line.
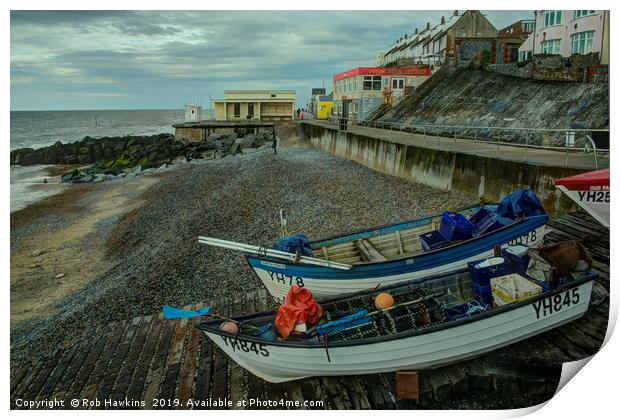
point(193, 113)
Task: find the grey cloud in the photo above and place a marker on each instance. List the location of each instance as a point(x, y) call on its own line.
point(162, 59)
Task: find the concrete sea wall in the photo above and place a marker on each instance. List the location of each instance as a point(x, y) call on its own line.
point(474, 175)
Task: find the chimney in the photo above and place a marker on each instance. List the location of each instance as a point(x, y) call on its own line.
point(456, 13)
point(428, 26)
point(443, 20)
point(416, 31)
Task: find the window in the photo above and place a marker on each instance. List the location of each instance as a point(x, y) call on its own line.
point(525, 55)
point(372, 83)
point(237, 110)
point(250, 110)
point(551, 47)
point(376, 82)
point(528, 26)
point(367, 83)
point(553, 17)
point(581, 13)
point(581, 43)
point(350, 85)
point(355, 85)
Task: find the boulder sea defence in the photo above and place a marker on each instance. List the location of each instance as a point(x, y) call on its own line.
point(113, 156)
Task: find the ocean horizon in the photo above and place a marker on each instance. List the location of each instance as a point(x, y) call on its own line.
point(36, 129)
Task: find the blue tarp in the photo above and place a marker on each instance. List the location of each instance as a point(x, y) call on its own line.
point(521, 203)
point(173, 313)
point(293, 243)
point(349, 321)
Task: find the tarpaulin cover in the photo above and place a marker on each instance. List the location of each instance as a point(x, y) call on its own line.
point(293, 243)
point(349, 321)
point(521, 203)
point(299, 305)
point(174, 313)
point(585, 181)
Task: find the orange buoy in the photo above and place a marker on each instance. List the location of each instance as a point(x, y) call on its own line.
point(230, 327)
point(384, 301)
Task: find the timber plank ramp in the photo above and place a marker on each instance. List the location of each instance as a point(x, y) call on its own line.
point(146, 361)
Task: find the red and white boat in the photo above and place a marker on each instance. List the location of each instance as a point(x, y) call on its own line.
point(591, 191)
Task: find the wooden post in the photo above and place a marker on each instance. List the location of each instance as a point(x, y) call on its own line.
point(407, 385)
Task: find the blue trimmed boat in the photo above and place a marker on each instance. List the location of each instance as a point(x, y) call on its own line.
point(400, 252)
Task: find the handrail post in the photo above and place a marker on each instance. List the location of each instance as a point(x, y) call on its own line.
point(566, 163)
point(594, 150)
point(498, 139)
point(475, 136)
point(526, 141)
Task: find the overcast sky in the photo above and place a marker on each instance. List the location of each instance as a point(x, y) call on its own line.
point(162, 60)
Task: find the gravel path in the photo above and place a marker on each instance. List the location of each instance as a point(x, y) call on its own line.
point(154, 255)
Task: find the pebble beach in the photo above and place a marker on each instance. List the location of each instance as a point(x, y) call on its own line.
point(137, 248)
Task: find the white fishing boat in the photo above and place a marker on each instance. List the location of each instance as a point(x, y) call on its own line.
point(590, 191)
point(433, 322)
point(395, 253)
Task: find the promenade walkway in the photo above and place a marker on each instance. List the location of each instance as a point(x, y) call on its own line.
point(576, 159)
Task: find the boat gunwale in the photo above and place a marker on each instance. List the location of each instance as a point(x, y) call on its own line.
point(211, 326)
point(318, 242)
point(404, 257)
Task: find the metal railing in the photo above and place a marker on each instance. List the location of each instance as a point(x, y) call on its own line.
point(489, 135)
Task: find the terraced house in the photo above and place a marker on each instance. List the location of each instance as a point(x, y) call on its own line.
point(569, 32)
point(432, 45)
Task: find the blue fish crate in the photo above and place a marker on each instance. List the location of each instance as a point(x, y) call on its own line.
point(519, 263)
point(487, 224)
point(483, 275)
point(479, 216)
point(433, 240)
point(480, 289)
point(455, 226)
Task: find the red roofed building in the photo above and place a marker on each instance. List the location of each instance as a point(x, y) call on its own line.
point(364, 89)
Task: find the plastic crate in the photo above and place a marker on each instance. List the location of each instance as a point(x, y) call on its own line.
point(480, 289)
point(433, 240)
point(519, 262)
point(479, 215)
point(483, 275)
point(514, 288)
point(455, 226)
point(487, 224)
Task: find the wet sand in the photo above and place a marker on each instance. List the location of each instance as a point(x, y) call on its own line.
point(58, 243)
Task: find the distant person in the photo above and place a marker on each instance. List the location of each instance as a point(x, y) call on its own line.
point(275, 145)
point(298, 112)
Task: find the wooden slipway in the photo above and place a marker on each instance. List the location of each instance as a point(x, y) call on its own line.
point(149, 358)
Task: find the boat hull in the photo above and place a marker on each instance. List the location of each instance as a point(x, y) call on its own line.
point(283, 362)
point(278, 275)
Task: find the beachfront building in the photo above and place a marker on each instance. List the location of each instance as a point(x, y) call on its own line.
point(569, 32)
point(193, 113)
point(362, 90)
point(324, 106)
point(255, 105)
point(434, 44)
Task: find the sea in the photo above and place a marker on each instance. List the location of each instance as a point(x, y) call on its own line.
point(35, 129)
